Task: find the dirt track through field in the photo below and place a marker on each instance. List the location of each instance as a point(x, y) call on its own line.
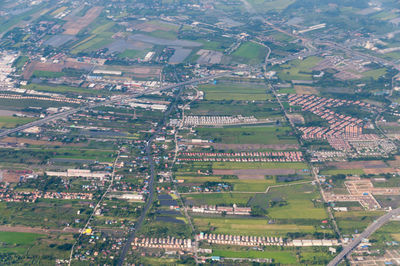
point(254, 173)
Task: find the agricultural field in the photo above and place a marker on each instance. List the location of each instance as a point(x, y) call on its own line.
point(249, 52)
point(298, 69)
point(234, 91)
point(259, 110)
point(11, 121)
point(249, 135)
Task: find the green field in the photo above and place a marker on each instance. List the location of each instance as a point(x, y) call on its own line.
point(284, 257)
point(46, 74)
point(298, 69)
point(251, 53)
point(248, 185)
point(19, 238)
point(219, 198)
point(249, 135)
point(269, 110)
point(374, 74)
point(342, 171)
point(300, 202)
point(267, 5)
point(133, 53)
point(11, 121)
point(254, 227)
point(234, 91)
point(63, 89)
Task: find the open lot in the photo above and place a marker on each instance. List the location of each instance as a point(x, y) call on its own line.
point(234, 91)
point(76, 24)
point(249, 135)
point(250, 52)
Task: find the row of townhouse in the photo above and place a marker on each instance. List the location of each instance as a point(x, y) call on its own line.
point(165, 243)
point(240, 240)
point(212, 209)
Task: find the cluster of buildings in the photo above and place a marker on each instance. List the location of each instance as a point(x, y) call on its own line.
point(192, 120)
point(164, 243)
point(8, 195)
point(211, 209)
point(362, 191)
point(339, 125)
point(287, 156)
point(53, 99)
point(345, 133)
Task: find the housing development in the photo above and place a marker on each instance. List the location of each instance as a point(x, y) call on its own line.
point(198, 132)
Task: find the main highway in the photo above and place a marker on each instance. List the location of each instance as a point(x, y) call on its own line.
point(114, 99)
point(365, 234)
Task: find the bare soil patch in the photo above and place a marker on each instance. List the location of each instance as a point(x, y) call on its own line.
point(75, 25)
point(258, 174)
point(358, 165)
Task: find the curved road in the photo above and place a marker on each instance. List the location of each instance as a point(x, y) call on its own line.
point(365, 234)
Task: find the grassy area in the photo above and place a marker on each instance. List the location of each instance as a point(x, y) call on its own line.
point(298, 69)
point(300, 202)
point(133, 53)
point(11, 121)
point(63, 89)
point(259, 165)
point(18, 238)
point(268, 5)
point(234, 91)
point(259, 110)
point(251, 53)
point(342, 171)
point(219, 198)
point(47, 74)
point(284, 257)
point(249, 135)
point(374, 74)
point(246, 226)
point(238, 184)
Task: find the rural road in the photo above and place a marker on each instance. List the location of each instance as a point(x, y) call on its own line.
point(365, 234)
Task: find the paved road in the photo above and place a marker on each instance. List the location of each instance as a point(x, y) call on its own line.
point(367, 232)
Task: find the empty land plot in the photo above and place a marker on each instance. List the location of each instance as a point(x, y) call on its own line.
point(245, 185)
point(300, 89)
point(250, 52)
point(342, 171)
point(358, 164)
point(299, 202)
point(75, 25)
point(258, 109)
point(284, 257)
point(248, 226)
point(155, 25)
point(258, 174)
point(249, 135)
point(10, 121)
point(298, 69)
point(375, 73)
point(267, 5)
point(234, 91)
